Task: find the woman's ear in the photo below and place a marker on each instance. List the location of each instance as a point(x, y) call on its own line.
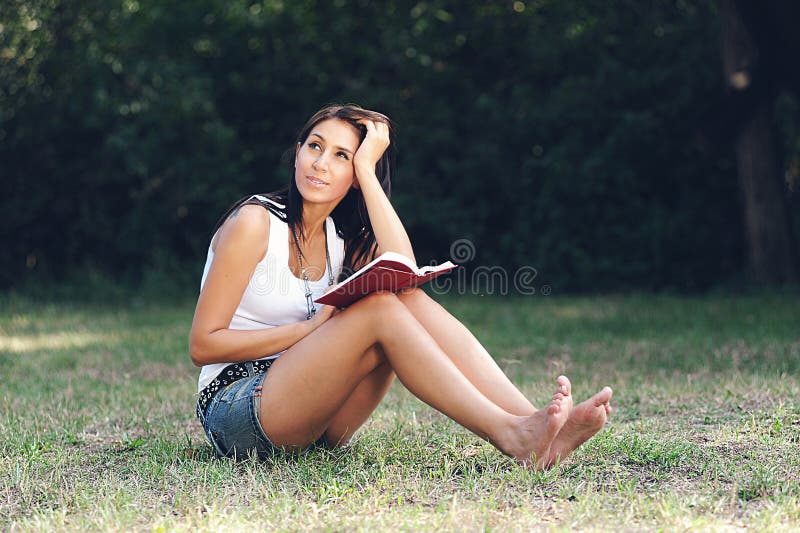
point(296, 151)
point(356, 185)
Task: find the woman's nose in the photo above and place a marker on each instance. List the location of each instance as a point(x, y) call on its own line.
point(321, 163)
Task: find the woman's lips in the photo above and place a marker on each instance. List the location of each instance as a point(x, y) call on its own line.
point(315, 182)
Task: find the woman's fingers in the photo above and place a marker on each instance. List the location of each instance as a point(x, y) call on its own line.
point(382, 128)
point(376, 128)
point(369, 124)
point(322, 315)
point(374, 144)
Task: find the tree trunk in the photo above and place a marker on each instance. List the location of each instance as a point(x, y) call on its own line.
point(769, 250)
point(770, 257)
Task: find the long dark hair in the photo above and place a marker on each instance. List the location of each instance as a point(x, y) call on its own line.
point(350, 215)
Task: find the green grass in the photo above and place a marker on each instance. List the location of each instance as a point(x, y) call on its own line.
point(97, 426)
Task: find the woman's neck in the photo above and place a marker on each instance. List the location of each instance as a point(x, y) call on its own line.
point(312, 221)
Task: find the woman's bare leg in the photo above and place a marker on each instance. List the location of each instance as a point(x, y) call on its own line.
point(469, 355)
point(360, 404)
point(460, 345)
point(308, 385)
point(466, 352)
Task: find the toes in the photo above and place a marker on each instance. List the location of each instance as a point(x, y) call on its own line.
point(564, 385)
point(555, 404)
point(559, 403)
point(603, 397)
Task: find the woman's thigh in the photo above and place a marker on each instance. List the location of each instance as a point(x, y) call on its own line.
point(308, 385)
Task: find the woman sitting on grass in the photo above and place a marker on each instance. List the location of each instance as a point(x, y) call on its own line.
point(280, 371)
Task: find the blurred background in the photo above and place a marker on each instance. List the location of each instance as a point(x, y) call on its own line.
point(612, 145)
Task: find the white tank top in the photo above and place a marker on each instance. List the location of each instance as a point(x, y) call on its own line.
point(274, 296)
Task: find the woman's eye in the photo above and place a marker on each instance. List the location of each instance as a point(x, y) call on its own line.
point(343, 155)
point(313, 145)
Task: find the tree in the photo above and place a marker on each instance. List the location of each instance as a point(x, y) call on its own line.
point(754, 41)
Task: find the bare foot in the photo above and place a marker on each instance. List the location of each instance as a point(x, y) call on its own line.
point(586, 419)
point(530, 445)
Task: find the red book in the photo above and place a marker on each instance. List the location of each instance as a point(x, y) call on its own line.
point(389, 272)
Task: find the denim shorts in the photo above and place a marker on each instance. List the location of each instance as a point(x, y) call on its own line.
point(231, 421)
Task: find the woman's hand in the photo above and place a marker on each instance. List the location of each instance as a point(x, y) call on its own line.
point(390, 234)
point(321, 316)
point(373, 146)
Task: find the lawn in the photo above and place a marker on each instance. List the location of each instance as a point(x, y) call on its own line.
point(98, 432)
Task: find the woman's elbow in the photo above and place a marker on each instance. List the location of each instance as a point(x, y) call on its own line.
point(196, 351)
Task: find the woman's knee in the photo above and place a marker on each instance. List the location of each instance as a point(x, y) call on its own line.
point(411, 294)
point(380, 298)
point(379, 311)
point(378, 303)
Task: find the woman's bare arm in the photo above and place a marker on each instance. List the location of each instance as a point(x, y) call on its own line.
point(240, 244)
point(390, 233)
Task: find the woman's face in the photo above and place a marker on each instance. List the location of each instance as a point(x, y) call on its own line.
point(324, 162)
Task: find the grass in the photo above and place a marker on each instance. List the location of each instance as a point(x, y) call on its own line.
point(97, 426)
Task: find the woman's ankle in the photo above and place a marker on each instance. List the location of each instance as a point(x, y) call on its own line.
point(507, 434)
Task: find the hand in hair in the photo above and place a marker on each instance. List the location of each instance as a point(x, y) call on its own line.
point(373, 146)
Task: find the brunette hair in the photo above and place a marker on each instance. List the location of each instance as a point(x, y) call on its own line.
point(350, 215)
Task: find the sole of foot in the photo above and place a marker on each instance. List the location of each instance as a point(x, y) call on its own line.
point(538, 431)
point(585, 420)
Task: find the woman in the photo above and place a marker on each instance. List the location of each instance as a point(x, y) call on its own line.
point(280, 371)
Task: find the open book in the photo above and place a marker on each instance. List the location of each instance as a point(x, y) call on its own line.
point(391, 271)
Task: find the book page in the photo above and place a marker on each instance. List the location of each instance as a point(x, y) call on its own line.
point(435, 268)
point(390, 259)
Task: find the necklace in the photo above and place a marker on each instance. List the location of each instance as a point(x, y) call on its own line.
point(312, 309)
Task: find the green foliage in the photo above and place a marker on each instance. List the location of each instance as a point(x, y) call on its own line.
point(561, 135)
